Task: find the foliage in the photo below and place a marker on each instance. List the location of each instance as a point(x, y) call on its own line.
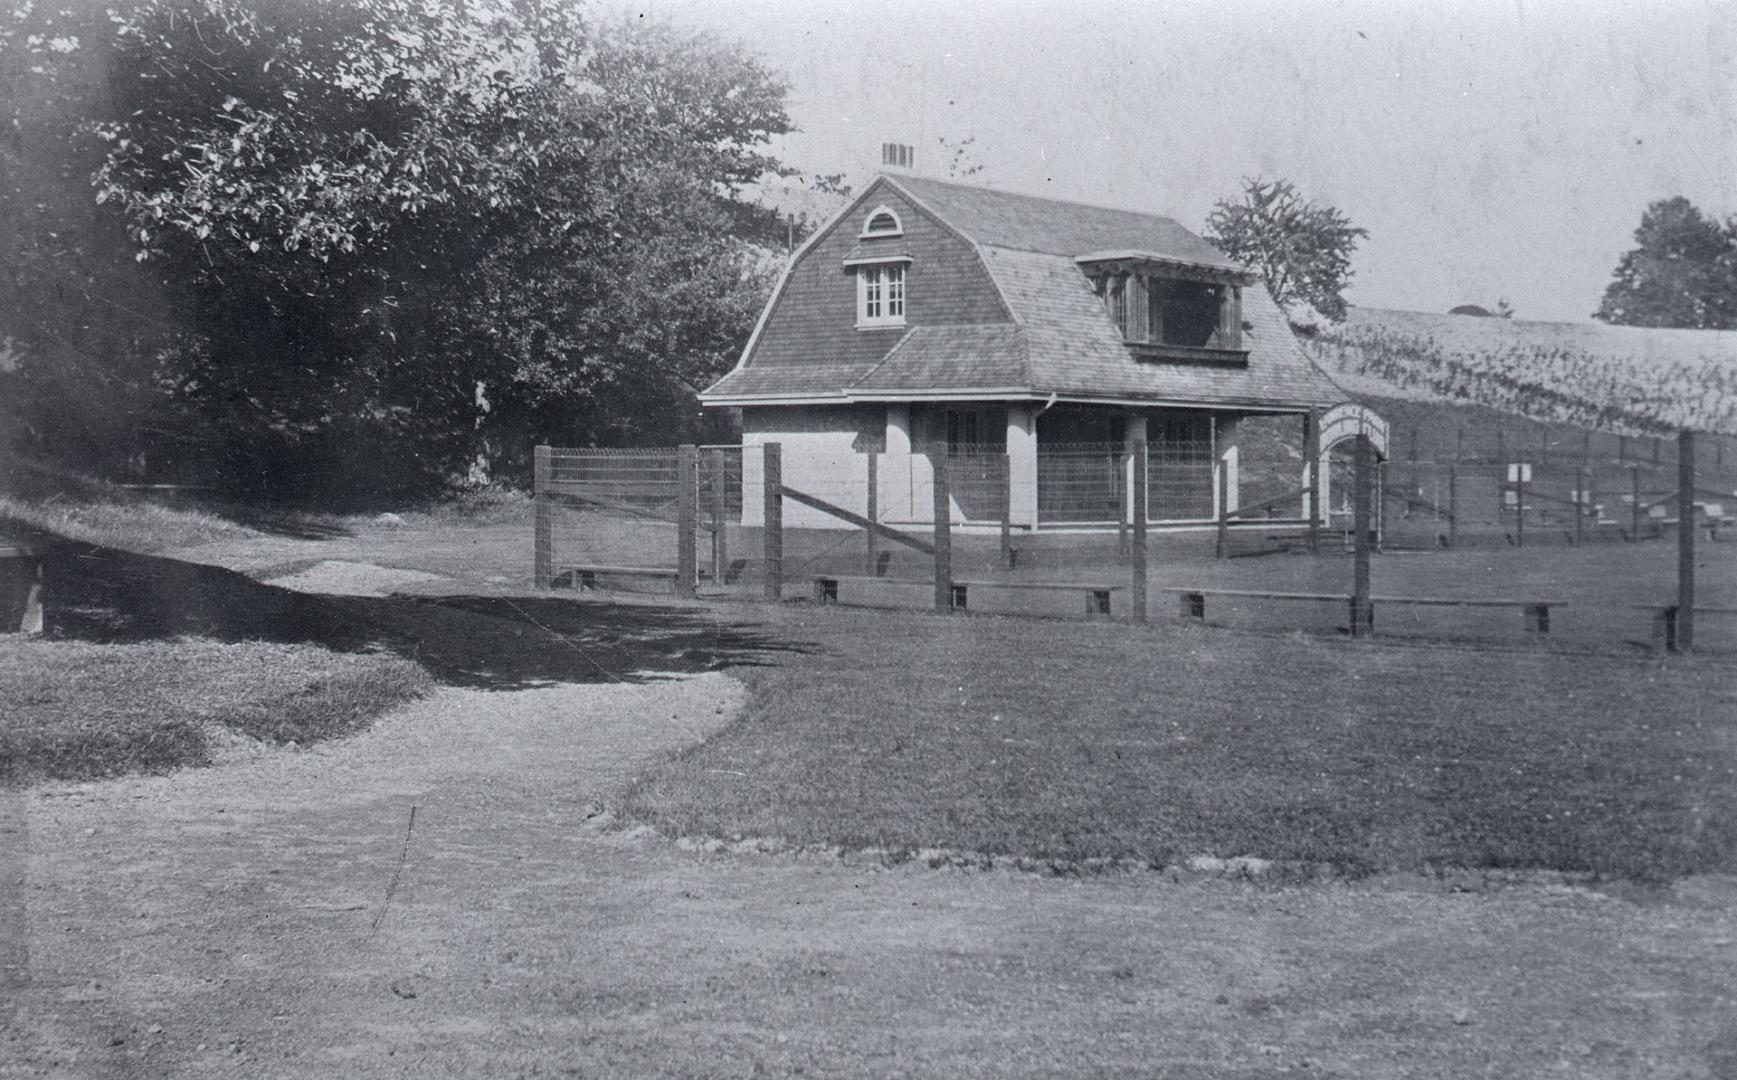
point(1683, 273)
point(397, 231)
point(79, 320)
point(1302, 250)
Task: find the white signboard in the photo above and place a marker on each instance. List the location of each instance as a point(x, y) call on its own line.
point(1519, 473)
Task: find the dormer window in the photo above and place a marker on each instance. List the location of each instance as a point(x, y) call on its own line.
point(1167, 309)
point(880, 295)
point(882, 222)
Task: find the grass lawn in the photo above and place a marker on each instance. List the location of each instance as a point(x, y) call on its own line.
point(1071, 741)
point(79, 710)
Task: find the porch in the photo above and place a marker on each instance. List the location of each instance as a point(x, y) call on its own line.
point(1034, 465)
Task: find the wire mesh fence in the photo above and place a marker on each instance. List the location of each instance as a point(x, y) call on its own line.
point(1053, 537)
point(1447, 504)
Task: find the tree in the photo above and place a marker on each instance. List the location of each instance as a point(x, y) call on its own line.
point(416, 231)
point(1683, 273)
point(1302, 250)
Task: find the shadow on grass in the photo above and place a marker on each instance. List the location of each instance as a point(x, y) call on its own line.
point(96, 593)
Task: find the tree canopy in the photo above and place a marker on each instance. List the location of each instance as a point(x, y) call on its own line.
point(419, 232)
point(1301, 249)
point(1682, 273)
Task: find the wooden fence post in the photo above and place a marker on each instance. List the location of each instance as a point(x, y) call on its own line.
point(874, 502)
point(1221, 512)
point(543, 542)
point(773, 533)
point(1361, 616)
point(1121, 503)
point(1621, 449)
point(1519, 503)
point(1685, 540)
point(1137, 557)
point(1502, 446)
point(943, 530)
point(1453, 506)
point(1312, 461)
point(720, 518)
point(1459, 444)
point(1580, 502)
point(1635, 511)
point(687, 519)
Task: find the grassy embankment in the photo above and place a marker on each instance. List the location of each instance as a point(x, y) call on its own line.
point(82, 710)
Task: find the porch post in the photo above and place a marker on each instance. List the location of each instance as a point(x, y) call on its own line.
point(1133, 442)
point(1022, 465)
point(1226, 448)
point(896, 500)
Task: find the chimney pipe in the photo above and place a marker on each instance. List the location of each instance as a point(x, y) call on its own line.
point(898, 156)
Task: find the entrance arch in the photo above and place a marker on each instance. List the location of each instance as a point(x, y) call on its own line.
point(1340, 424)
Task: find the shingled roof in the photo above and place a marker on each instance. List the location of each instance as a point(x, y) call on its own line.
point(1060, 341)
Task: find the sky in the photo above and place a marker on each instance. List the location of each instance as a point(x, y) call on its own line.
point(1494, 150)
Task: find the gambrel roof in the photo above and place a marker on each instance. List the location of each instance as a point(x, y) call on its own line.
point(1051, 336)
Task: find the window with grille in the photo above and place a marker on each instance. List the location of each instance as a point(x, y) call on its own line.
point(880, 293)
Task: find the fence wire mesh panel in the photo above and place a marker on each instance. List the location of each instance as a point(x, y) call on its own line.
point(1180, 487)
point(1572, 500)
point(1081, 483)
point(612, 518)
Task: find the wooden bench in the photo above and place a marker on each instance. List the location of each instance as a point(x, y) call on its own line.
point(1535, 612)
point(1665, 621)
point(1097, 596)
point(1192, 603)
point(585, 577)
point(20, 588)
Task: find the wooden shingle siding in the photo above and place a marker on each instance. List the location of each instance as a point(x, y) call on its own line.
point(813, 320)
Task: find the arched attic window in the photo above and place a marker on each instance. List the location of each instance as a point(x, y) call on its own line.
point(882, 222)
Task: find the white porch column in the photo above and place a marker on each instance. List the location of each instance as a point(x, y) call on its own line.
point(1022, 465)
point(1227, 449)
point(1133, 432)
point(896, 502)
point(899, 430)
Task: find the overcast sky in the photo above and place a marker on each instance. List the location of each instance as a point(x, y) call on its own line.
point(1491, 149)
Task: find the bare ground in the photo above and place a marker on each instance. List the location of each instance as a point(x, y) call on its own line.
point(278, 916)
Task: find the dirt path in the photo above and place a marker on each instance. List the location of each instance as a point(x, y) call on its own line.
point(223, 922)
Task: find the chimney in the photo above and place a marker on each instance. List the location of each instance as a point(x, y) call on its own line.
point(898, 156)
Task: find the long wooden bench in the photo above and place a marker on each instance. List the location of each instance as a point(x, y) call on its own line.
point(1192, 603)
point(1097, 595)
point(585, 577)
point(20, 588)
